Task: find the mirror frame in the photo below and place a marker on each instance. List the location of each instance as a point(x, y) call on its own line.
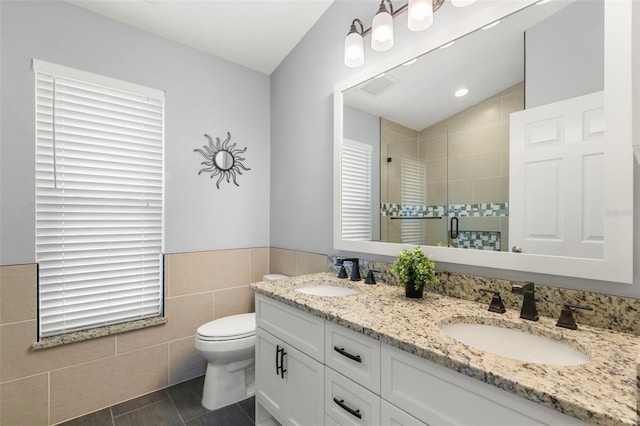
point(617, 264)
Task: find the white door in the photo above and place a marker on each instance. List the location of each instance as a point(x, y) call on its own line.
point(556, 190)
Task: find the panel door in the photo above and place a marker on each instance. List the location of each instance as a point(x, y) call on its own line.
point(556, 184)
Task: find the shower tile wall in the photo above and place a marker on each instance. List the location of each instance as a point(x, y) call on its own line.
point(467, 163)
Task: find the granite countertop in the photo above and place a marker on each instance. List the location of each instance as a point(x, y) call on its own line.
point(603, 391)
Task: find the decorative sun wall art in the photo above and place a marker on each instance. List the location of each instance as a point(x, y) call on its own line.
point(222, 159)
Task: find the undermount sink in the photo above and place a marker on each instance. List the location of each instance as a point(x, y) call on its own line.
point(515, 344)
point(327, 290)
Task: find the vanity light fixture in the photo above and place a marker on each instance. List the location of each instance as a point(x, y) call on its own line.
point(382, 28)
point(354, 45)
point(420, 14)
point(419, 17)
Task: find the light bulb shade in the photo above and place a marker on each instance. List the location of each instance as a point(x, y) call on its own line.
point(462, 3)
point(353, 50)
point(382, 31)
point(420, 14)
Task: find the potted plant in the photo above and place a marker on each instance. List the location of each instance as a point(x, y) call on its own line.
point(414, 270)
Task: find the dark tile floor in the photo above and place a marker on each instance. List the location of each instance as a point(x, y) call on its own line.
point(177, 405)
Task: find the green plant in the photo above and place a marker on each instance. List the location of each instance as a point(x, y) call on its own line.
point(414, 266)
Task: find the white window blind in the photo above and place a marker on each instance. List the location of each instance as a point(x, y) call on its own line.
point(356, 190)
point(99, 200)
point(412, 194)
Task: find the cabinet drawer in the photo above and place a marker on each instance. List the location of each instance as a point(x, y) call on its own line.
point(439, 396)
point(298, 328)
point(354, 355)
point(348, 403)
point(392, 415)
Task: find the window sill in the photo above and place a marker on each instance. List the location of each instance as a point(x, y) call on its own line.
point(95, 333)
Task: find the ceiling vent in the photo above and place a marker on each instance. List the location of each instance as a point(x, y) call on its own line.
point(378, 85)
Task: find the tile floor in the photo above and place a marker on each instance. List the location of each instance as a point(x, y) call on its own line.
point(177, 405)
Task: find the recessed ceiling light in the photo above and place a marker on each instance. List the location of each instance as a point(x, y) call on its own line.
point(411, 62)
point(447, 45)
point(461, 92)
point(491, 25)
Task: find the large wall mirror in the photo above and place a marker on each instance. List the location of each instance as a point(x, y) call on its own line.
point(506, 145)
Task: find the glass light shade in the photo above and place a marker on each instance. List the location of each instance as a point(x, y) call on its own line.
point(353, 50)
point(462, 3)
point(382, 32)
point(420, 14)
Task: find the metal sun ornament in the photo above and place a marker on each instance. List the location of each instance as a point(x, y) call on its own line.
point(222, 159)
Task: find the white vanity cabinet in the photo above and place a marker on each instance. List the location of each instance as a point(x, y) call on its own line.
point(289, 382)
point(437, 395)
point(313, 372)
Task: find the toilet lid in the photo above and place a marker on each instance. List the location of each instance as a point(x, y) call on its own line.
point(229, 328)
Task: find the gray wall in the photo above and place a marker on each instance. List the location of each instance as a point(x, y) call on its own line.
point(204, 94)
point(302, 129)
point(565, 54)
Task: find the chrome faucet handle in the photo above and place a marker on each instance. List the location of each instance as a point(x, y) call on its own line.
point(496, 305)
point(566, 316)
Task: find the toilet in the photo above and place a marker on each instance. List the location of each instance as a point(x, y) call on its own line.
point(228, 345)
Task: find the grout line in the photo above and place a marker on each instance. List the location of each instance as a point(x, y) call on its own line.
point(49, 397)
point(176, 407)
point(113, 421)
point(143, 406)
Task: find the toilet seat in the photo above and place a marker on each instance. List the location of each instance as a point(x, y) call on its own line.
point(233, 327)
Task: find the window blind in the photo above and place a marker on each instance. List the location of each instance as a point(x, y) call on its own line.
point(99, 200)
point(356, 190)
point(412, 194)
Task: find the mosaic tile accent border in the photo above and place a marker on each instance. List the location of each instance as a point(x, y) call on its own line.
point(454, 210)
point(479, 240)
point(411, 210)
point(479, 210)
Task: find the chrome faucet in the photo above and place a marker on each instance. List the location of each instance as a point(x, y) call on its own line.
point(529, 310)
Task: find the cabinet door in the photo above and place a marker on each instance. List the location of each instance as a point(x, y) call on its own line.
point(305, 388)
point(270, 386)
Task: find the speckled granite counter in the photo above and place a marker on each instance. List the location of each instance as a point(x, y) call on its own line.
point(604, 391)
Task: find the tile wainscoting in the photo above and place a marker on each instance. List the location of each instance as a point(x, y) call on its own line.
point(53, 385)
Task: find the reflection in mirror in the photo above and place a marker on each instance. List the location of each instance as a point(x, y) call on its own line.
point(478, 168)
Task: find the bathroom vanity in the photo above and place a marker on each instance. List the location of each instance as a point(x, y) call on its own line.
point(376, 357)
